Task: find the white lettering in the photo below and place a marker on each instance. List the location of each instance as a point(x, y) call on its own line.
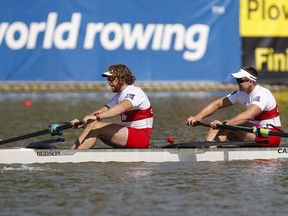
point(158, 35)
point(51, 25)
point(179, 31)
point(111, 37)
point(137, 37)
point(3, 27)
point(72, 30)
point(218, 9)
point(192, 40)
point(17, 35)
point(197, 48)
point(91, 32)
point(35, 29)
point(161, 37)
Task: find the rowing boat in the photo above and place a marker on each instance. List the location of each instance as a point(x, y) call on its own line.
point(44, 152)
point(157, 154)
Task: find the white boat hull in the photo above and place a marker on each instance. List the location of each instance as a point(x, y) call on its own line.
point(30, 156)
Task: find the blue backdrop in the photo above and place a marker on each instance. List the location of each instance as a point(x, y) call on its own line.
point(175, 40)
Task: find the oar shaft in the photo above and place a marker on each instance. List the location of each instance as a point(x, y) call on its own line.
point(64, 127)
point(229, 127)
point(26, 136)
point(57, 130)
point(281, 134)
point(241, 128)
point(264, 132)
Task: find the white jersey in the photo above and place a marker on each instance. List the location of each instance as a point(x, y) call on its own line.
point(264, 99)
point(140, 116)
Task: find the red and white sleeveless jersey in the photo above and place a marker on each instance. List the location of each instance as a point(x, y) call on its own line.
point(264, 99)
point(141, 115)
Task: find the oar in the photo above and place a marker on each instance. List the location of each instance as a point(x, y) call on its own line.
point(262, 132)
point(54, 129)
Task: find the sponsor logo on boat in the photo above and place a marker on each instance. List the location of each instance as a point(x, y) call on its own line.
point(283, 150)
point(48, 153)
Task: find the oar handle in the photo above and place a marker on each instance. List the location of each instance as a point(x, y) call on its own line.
point(224, 126)
point(204, 124)
point(261, 132)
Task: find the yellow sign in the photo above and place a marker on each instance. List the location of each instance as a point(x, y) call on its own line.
point(274, 61)
point(264, 18)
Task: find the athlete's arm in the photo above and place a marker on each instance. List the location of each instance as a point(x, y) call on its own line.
point(118, 109)
point(209, 110)
point(245, 116)
point(103, 109)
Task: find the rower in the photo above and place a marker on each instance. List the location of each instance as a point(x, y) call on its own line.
point(261, 110)
point(129, 102)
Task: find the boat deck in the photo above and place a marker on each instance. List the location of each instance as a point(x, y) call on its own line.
point(30, 156)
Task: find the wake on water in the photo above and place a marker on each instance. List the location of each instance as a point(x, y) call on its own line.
point(25, 167)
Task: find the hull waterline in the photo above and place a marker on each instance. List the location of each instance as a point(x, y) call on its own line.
point(30, 156)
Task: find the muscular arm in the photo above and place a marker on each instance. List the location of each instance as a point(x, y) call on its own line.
point(209, 110)
point(245, 116)
point(108, 113)
point(103, 109)
point(213, 107)
point(88, 117)
point(117, 109)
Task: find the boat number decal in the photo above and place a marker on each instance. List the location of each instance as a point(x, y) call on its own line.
point(48, 153)
point(282, 150)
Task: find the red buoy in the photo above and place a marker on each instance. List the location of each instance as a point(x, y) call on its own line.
point(27, 103)
point(170, 139)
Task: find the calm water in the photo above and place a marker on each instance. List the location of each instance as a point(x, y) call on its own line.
point(219, 188)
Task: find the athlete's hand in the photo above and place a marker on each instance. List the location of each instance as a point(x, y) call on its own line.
point(88, 119)
point(214, 124)
point(193, 121)
point(76, 123)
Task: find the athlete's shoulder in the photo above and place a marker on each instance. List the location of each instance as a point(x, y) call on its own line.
point(262, 90)
point(135, 89)
point(234, 93)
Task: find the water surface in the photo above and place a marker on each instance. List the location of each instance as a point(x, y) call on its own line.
point(257, 187)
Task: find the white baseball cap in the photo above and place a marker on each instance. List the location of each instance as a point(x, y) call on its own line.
point(106, 74)
point(243, 73)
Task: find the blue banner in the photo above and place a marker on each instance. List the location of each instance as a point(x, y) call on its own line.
point(176, 40)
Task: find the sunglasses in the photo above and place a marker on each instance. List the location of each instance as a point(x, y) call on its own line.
point(111, 78)
point(238, 80)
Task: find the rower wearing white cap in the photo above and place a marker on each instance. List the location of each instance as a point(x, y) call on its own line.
point(129, 102)
point(261, 110)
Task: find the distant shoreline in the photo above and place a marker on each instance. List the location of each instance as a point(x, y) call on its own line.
point(10, 87)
